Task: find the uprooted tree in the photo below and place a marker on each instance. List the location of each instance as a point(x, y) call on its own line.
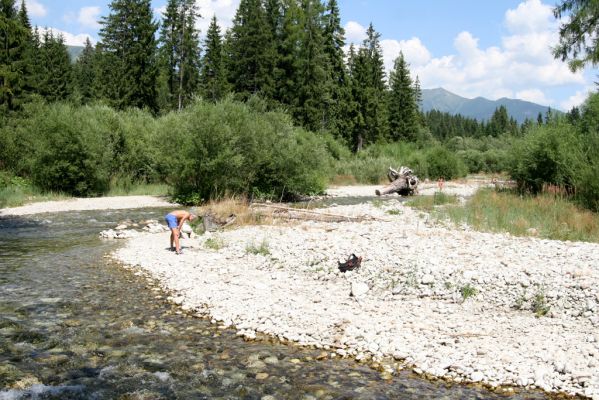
point(403, 182)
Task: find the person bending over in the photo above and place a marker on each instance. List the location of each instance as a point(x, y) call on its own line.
point(175, 220)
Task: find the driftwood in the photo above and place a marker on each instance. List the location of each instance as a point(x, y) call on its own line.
point(213, 223)
point(403, 182)
point(278, 211)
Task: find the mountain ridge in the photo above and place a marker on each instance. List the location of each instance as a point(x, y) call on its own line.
point(480, 108)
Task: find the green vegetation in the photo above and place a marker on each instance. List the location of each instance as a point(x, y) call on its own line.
point(214, 243)
point(468, 291)
point(428, 203)
point(546, 215)
point(539, 304)
point(262, 248)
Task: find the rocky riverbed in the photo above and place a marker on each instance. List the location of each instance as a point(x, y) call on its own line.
point(452, 303)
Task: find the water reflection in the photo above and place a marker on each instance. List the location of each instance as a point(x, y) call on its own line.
point(75, 326)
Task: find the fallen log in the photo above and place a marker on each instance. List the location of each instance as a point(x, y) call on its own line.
point(305, 214)
point(403, 182)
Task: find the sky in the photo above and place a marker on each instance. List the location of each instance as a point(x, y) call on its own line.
point(492, 49)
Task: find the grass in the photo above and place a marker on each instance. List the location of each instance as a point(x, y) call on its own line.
point(214, 243)
point(261, 248)
point(428, 203)
point(139, 189)
point(539, 304)
point(468, 291)
point(545, 216)
point(18, 195)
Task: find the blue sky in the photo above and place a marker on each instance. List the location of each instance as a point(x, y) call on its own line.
point(473, 48)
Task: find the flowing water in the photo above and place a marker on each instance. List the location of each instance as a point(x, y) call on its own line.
point(73, 325)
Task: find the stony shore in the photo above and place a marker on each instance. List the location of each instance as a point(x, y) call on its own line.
point(447, 302)
point(85, 204)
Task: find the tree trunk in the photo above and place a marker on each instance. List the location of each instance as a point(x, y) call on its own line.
point(403, 182)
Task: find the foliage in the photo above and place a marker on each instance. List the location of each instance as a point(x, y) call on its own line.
point(428, 203)
point(468, 291)
point(213, 79)
point(261, 248)
point(545, 216)
point(179, 58)
point(548, 154)
point(229, 148)
point(403, 109)
point(540, 305)
point(80, 150)
point(578, 34)
point(214, 243)
point(442, 163)
point(130, 59)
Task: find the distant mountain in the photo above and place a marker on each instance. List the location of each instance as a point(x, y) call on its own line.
point(480, 108)
point(74, 52)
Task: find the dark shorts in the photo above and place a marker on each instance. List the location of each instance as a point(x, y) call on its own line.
point(171, 221)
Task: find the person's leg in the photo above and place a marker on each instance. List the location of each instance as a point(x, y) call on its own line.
point(171, 221)
point(176, 236)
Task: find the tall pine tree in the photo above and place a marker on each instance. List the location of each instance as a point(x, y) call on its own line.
point(179, 53)
point(251, 51)
point(84, 74)
point(311, 69)
point(14, 40)
point(338, 90)
point(129, 45)
point(55, 83)
point(213, 79)
point(369, 91)
point(403, 108)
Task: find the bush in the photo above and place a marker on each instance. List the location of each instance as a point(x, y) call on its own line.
point(443, 163)
point(548, 154)
point(228, 148)
point(473, 159)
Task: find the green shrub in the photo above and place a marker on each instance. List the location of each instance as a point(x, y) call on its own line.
point(443, 163)
point(473, 159)
point(548, 154)
point(227, 148)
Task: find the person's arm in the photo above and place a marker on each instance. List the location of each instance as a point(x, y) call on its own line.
point(183, 219)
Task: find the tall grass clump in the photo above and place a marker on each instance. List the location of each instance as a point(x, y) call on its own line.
point(547, 216)
point(228, 148)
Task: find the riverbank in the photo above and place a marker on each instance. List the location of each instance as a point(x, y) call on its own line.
point(451, 303)
point(84, 204)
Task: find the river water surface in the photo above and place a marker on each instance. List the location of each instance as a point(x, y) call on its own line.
point(73, 325)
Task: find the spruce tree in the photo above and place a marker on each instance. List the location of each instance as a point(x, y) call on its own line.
point(312, 74)
point(129, 53)
point(251, 50)
point(287, 65)
point(55, 84)
point(339, 102)
point(14, 39)
point(368, 91)
point(84, 74)
point(403, 109)
point(179, 54)
point(213, 79)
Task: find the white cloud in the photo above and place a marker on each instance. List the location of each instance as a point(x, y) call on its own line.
point(533, 95)
point(413, 50)
point(354, 32)
point(224, 10)
point(529, 16)
point(35, 8)
point(69, 38)
point(576, 99)
point(89, 17)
